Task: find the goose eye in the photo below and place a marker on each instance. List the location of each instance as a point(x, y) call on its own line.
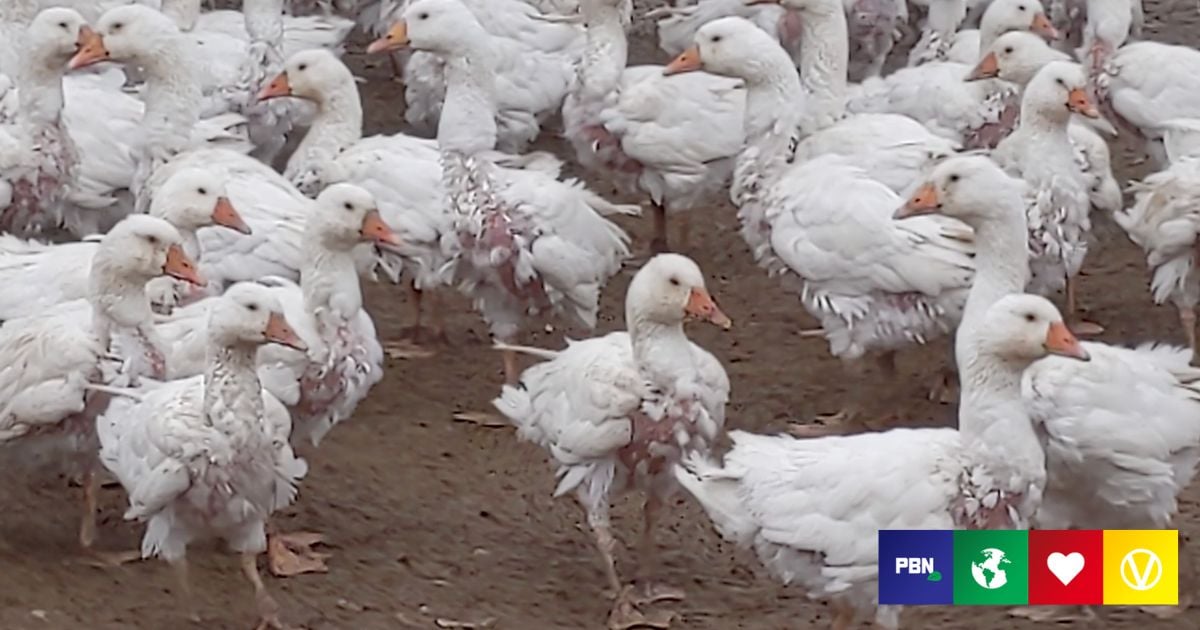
point(1009, 50)
point(423, 16)
point(116, 27)
point(302, 67)
point(347, 206)
point(954, 178)
point(202, 190)
point(1060, 82)
point(1021, 8)
point(1029, 317)
point(62, 25)
point(252, 307)
point(153, 240)
point(716, 39)
point(675, 282)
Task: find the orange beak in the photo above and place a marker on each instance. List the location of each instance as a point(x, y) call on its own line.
point(1078, 102)
point(1060, 341)
point(278, 87)
point(90, 49)
point(225, 214)
point(987, 68)
point(179, 266)
point(924, 201)
point(1042, 26)
point(396, 38)
point(701, 306)
point(687, 61)
point(376, 231)
point(280, 332)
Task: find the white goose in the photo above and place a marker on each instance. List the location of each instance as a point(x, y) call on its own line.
point(532, 63)
point(1016, 57)
point(38, 158)
point(244, 49)
point(617, 411)
point(39, 275)
point(334, 151)
point(1122, 432)
point(208, 456)
point(1059, 211)
point(812, 509)
point(168, 125)
point(1146, 84)
point(323, 386)
point(975, 114)
point(671, 138)
point(1163, 221)
point(530, 244)
point(47, 415)
point(825, 224)
point(273, 208)
point(895, 149)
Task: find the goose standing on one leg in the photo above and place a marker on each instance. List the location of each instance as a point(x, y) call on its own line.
point(616, 412)
point(208, 456)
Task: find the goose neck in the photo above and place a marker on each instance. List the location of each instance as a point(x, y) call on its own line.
point(184, 13)
point(607, 51)
point(1001, 261)
point(824, 58)
point(264, 21)
point(173, 96)
point(328, 277)
point(118, 299)
point(337, 126)
point(946, 16)
point(993, 417)
point(775, 101)
point(232, 391)
point(468, 121)
point(40, 90)
point(659, 349)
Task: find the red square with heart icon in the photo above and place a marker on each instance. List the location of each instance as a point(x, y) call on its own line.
point(1066, 568)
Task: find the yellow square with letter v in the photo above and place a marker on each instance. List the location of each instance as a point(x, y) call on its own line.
point(1141, 567)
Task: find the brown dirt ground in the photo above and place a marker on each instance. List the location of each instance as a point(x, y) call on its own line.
point(433, 519)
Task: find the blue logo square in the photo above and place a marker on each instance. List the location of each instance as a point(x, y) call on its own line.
point(916, 567)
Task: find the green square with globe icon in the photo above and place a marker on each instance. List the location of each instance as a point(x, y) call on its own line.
point(991, 567)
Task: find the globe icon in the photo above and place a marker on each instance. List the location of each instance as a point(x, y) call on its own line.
point(987, 571)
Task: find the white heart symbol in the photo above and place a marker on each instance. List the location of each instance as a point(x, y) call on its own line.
point(1065, 568)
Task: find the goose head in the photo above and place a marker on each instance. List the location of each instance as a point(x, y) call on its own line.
point(732, 47)
point(195, 198)
point(55, 35)
point(970, 188)
point(1022, 328)
point(444, 27)
point(1015, 56)
point(1003, 16)
point(311, 75)
point(347, 215)
point(668, 289)
point(1057, 90)
point(129, 34)
point(141, 248)
point(249, 315)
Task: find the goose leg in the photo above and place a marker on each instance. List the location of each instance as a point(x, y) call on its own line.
point(651, 591)
point(512, 372)
point(1187, 318)
point(1187, 588)
point(179, 567)
point(1078, 326)
point(625, 613)
point(268, 608)
point(843, 616)
point(397, 73)
point(659, 244)
point(87, 527)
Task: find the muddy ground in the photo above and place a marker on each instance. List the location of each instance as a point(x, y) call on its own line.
point(432, 519)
